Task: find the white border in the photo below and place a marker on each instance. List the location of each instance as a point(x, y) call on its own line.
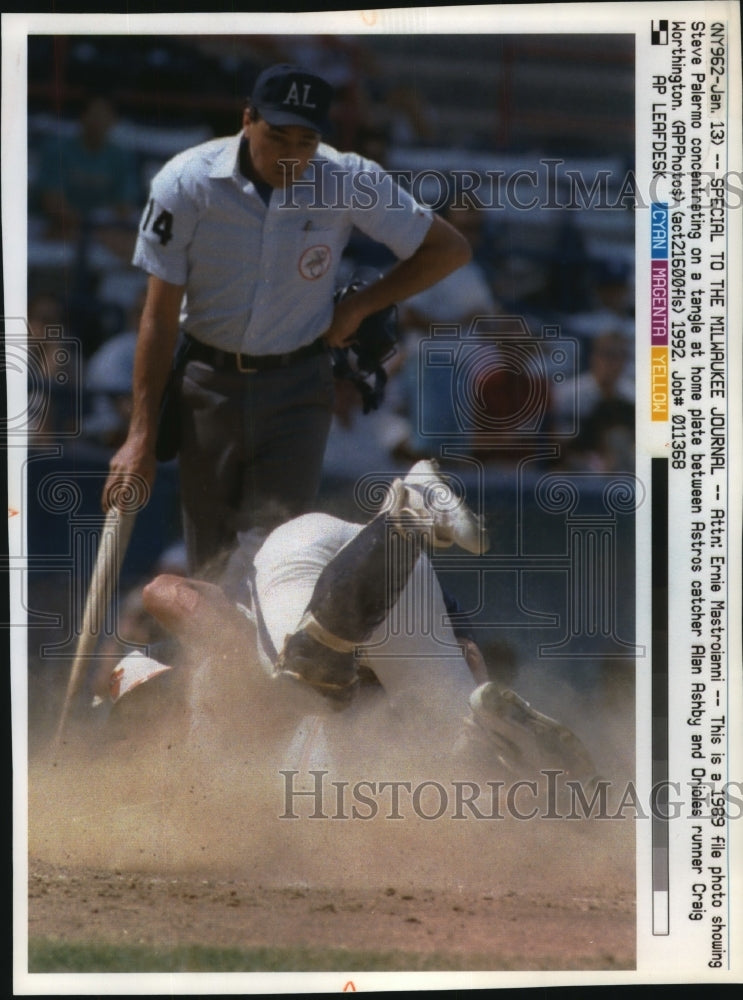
point(525, 19)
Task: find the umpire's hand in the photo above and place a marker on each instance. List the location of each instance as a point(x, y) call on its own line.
point(442, 251)
point(348, 316)
point(132, 469)
point(131, 475)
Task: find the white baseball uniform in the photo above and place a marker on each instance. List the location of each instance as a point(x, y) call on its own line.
point(413, 652)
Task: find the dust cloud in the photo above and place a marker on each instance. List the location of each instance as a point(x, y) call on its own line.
point(215, 777)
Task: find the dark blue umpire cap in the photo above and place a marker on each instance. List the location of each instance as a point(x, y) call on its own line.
point(290, 95)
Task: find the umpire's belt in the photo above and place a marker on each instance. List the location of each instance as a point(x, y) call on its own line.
point(231, 361)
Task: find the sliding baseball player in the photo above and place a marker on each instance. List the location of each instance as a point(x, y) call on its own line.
point(340, 612)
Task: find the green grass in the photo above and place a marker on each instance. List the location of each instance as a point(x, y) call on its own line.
point(59, 956)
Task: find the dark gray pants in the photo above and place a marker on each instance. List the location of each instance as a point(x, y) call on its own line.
point(251, 457)
point(353, 594)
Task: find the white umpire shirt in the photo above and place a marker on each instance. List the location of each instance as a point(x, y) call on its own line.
point(260, 278)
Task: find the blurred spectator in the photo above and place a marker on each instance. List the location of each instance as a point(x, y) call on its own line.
point(86, 182)
point(108, 382)
point(53, 376)
point(605, 379)
point(606, 442)
point(613, 287)
point(339, 59)
point(372, 140)
point(509, 394)
point(411, 120)
point(521, 282)
point(45, 319)
point(426, 409)
point(611, 303)
point(569, 283)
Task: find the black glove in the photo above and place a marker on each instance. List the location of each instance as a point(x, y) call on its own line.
point(373, 343)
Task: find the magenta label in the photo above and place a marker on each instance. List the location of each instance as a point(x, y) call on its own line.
point(659, 302)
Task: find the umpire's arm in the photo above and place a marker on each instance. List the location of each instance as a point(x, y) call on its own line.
point(158, 332)
point(442, 251)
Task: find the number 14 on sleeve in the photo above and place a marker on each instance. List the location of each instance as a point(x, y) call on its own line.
point(163, 224)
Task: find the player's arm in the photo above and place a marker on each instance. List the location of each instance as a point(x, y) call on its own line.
point(158, 332)
point(442, 251)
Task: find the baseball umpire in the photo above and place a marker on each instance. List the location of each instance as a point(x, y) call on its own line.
point(242, 238)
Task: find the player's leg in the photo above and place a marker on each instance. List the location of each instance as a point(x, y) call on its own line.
point(287, 567)
point(357, 589)
point(351, 595)
point(417, 658)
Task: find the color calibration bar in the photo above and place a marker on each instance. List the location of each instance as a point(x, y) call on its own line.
point(659, 396)
point(659, 311)
point(659, 698)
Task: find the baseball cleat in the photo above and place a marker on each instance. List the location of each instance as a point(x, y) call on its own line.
point(524, 738)
point(423, 494)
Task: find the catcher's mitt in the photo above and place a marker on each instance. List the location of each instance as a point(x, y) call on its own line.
point(374, 342)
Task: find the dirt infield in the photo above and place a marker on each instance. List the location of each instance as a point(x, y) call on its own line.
point(484, 929)
point(164, 842)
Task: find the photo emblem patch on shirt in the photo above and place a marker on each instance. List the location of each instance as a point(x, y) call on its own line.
point(315, 261)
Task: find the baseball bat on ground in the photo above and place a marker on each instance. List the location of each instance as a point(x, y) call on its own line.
point(114, 540)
